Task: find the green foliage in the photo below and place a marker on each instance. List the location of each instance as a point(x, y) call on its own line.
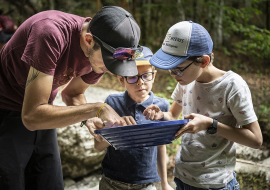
point(171, 84)
point(263, 113)
point(235, 66)
point(173, 147)
point(225, 50)
point(163, 95)
point(253, 40)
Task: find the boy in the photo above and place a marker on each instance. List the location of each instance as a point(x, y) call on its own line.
point(217, 102)
point(135, 168)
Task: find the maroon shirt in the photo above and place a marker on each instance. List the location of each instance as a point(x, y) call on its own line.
point(50, 42)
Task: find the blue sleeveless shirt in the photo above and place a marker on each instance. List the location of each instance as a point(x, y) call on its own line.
point(138, 165)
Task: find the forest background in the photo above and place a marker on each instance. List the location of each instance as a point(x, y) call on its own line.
point(240, 30)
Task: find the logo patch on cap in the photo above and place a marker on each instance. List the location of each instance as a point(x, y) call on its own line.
point(140, 56)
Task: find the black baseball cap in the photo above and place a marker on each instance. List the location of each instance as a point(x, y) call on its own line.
point(116, 27)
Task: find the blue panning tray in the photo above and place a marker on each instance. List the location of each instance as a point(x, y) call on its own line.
point(143, 135)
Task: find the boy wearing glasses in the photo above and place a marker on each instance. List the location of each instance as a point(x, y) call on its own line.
point(135, 168)
point(216, 102)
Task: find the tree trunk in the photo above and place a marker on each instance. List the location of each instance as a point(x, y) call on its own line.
point(195, 11)
point(218, 30)
point(143, 18)
point(125, 5)
point(210, 10)
point(181, 11)
point(267, 15)
point(52, 4)
point(247, 3)
point(98, 5)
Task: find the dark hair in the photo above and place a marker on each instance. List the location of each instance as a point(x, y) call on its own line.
point(96, 46)
point(1, 11)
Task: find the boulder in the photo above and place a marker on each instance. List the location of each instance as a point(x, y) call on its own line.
point(252, 168)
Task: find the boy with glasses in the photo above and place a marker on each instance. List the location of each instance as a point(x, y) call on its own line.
point(216, 102)
point(135, 168)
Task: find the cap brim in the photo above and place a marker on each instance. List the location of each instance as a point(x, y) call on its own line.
point(118, 67)
point(142, 62)
point(166, 61)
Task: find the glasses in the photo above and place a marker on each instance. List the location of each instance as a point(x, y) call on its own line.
point(122, 53)
point(179, 72)
point(146, 77)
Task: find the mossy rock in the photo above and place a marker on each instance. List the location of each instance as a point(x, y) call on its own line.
point(252, 181)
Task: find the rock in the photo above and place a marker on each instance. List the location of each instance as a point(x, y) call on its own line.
point(69, 182)
point(76, 144)
point(247, 153)
point(253, 168)
point(88, 183)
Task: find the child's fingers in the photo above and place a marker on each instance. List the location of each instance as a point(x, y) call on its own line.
point(128, 120)
point(148, 114)
point(190, 116)
point(91, 127)
point(182, 131)
point(145, 112)
point(132, 120)
point(151, 107)
point(152, 116)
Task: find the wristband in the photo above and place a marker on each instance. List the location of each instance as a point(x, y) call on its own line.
point(84, 122)
point(100, 109)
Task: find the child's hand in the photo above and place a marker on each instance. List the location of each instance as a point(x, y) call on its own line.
point(94, 124)
point(153, 112)
point(198, 123)
point(129, 120)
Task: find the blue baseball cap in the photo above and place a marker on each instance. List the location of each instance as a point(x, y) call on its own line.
point(183, 40)
point(144, 57)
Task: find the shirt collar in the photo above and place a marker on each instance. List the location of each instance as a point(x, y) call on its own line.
point(146, 103)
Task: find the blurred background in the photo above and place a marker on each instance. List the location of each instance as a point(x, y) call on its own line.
point(240, 30)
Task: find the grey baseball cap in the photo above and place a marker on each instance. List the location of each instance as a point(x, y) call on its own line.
point(117, 28)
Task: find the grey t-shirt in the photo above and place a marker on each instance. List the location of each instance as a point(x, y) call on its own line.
point(204, 160)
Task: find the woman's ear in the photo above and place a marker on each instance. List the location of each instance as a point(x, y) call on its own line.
point(121, 80)
point(206, 60)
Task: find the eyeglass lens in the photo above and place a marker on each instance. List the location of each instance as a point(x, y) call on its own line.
point(179, 72)
point(145, 77)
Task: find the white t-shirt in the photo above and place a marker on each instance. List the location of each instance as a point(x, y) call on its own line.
point(205, 160)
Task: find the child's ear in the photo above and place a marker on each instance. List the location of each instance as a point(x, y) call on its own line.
point(206, 60)
point(155, 72)
point(121, 80)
